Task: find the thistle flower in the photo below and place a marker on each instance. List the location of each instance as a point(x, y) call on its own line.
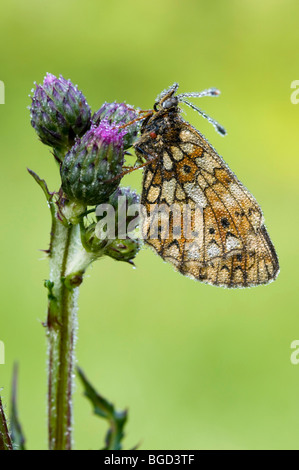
point(119, 113)
point(90, 169)
point(59, 113)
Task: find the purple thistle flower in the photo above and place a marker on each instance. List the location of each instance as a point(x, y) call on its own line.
point(108, 133)
point(92, 163)
point(49, 80)
point(119, 113)
point(59, 113)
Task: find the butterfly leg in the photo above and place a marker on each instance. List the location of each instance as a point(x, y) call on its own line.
point(146, 114)
point(134, 168)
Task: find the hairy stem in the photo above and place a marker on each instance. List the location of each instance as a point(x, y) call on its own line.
point(68, 261)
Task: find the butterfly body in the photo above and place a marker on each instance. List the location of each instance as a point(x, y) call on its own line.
point(225, 243)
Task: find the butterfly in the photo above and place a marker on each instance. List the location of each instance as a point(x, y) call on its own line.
point(226, 243)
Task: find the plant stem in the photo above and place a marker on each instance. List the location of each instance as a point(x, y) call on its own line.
point(68, 261)
point(60, 332)
point(5, 440)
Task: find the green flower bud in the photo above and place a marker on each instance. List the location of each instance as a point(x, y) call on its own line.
point(123, 250)
point(119, 113)
point(90, 169)
point(125, 196)
point(91, 241)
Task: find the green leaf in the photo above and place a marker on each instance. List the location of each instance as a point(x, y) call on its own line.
point(49, 196)
point(50, 285)
point(17, 435)
point(5, 440)
point(42, 184)
point(106, 410)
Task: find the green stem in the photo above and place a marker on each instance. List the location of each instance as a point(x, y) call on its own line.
point(68, 261)
point(5, 440)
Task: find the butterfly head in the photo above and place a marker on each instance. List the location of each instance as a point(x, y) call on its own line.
point(168, 100)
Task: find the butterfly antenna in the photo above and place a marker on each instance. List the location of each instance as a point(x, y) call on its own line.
point(200, 94)
point(217, 126)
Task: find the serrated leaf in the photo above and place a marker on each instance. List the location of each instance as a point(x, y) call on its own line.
point(5, 440)
point(42, 184)
point(106, 410)
point(17, 435)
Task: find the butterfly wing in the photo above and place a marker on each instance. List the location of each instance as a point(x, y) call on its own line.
point(228, 244)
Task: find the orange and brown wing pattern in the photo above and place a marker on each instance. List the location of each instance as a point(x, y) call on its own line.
point(228, 244)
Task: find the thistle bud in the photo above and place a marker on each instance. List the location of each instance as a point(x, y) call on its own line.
point(119, 113)
point(125, 202)
point(59, 112)
point(124, 195)
point(123, 250)
point(91, 241)
point(90, 169)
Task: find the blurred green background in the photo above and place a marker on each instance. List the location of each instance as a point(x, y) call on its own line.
point(198, 367)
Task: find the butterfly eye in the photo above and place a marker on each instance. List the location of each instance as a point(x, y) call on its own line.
point(170, 102)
